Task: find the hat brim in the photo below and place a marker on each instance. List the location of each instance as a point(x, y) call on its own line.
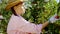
point(9, 5)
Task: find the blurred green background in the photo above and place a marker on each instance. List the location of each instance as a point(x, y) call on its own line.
point(40, 12)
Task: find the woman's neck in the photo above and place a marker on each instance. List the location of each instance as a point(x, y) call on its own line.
point(13, 11)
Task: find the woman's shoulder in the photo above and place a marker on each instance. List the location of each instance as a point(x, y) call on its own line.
point(19, 18)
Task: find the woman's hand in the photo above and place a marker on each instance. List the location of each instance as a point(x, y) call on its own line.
point(54, 18)
point(51, 20)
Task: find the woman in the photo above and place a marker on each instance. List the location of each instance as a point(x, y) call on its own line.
point(18, 25)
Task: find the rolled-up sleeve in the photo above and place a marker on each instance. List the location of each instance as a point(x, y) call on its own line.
point(39, 28)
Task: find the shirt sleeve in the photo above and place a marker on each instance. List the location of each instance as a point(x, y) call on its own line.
point(39, 28)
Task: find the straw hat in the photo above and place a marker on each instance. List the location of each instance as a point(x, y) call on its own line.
point(12, 3)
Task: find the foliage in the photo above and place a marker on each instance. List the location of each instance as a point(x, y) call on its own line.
point(40, 12)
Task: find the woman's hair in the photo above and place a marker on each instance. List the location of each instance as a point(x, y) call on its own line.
point(13, 11)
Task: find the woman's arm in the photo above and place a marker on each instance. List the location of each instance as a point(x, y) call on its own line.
point(45, 24)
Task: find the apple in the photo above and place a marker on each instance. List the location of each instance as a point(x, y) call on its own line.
point(57, 17)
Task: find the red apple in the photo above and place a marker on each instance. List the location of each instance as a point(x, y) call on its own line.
point(57, 17)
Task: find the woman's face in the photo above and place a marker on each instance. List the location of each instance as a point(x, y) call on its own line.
point(19, 9)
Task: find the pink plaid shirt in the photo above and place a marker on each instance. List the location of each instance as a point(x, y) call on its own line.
point(18, 25)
